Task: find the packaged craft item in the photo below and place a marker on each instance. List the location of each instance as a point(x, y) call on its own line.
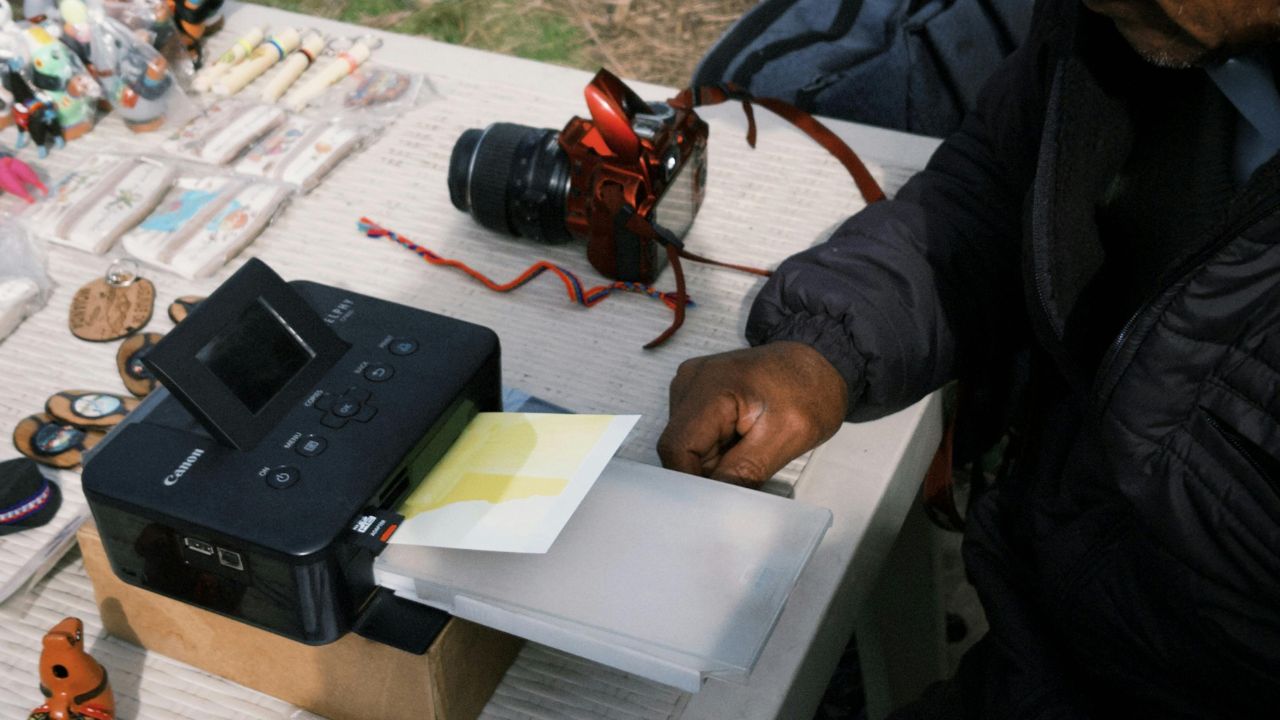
point(273, 50)
point(151, 21)
point(24, 284)
point(135, 78)
point(60, 76)
point(203, 222)
point(293, 66)
point(376, 88)
point(314, 85)
point(90, 207)
point(224, 131)
point(32, 110)
point(16, 296)
point(302, 151)
point(234, 55)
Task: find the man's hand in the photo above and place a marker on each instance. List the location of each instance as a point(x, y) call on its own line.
point(741, 416)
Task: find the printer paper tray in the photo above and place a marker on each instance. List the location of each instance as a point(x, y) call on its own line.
point(667, 576)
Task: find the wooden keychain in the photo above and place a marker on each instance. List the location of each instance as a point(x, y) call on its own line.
point(293, 66)
point(89, 410)
point(53, 443)
point(274, 50)
point(182, 307)
point(344, 63)
point(114, 306)
point(137, 378)
point(234, 55)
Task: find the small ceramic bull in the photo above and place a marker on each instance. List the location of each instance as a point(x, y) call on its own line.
point(74, 684)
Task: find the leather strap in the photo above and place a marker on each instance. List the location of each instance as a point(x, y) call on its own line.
point(811, 126)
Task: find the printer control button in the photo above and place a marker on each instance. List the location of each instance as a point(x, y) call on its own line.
point(345, 408)
point(357, 394)
point(324, 402)
point(402, 346)
point(366, 413)
point(333, 421)
point(311, 445)
point(283, 476)
point(378, 372)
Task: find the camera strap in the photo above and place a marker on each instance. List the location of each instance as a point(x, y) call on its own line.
point(578, 291)
point(690, 98)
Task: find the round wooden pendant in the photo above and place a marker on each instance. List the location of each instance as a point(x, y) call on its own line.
point(179, 309)
point(87, 409)
point(135, 375)
point(54, 443)
point(102, 311)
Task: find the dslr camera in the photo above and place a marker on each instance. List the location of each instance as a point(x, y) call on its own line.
point(586, 181)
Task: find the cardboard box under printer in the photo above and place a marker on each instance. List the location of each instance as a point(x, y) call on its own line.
point(290, 411)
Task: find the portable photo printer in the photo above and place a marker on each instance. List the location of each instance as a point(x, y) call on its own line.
point(290, 410)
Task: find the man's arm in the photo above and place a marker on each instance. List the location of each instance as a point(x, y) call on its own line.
point(905, 296)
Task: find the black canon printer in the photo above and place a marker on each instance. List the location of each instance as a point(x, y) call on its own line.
point(293, 417)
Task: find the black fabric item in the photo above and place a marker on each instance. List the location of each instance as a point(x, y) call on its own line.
point(22, 484)
point(1172, 190)
point(1129, 564)
point(914, 65)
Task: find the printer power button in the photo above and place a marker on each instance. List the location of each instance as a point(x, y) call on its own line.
point(283, 476)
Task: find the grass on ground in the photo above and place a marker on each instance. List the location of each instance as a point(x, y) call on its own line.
point(655, 40)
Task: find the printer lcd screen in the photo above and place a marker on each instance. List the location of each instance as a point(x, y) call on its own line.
point(256, 356)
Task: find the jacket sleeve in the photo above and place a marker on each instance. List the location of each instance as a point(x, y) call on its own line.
point(910, 292)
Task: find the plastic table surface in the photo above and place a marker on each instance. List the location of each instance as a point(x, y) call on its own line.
point(762, 205)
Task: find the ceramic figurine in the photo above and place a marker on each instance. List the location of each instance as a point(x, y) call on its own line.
point(144, 99)
point(57, 72)
point(33, 113)
point(134, 77)
point(75, 686)
point(193, 18)
point(77, 32)
point(37, 10)
point(149, 20)
point(6, 98)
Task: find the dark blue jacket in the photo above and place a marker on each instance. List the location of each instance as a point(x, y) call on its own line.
point(1130, 566)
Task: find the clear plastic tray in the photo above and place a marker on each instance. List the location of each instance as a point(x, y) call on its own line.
point(664, 575)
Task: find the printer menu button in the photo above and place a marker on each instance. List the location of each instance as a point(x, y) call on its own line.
point(311, 445)
point(283, 476)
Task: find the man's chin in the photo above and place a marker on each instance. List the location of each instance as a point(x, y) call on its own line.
point(1176, 50)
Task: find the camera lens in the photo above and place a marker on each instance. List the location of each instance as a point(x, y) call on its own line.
point(513, 179)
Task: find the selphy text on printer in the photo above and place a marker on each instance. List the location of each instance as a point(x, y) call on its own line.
point(293, 412)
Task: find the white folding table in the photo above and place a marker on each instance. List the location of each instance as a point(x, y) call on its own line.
point(761, 206)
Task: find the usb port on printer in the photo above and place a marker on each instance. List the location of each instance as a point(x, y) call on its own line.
point(230, 559)
point(199, 546)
